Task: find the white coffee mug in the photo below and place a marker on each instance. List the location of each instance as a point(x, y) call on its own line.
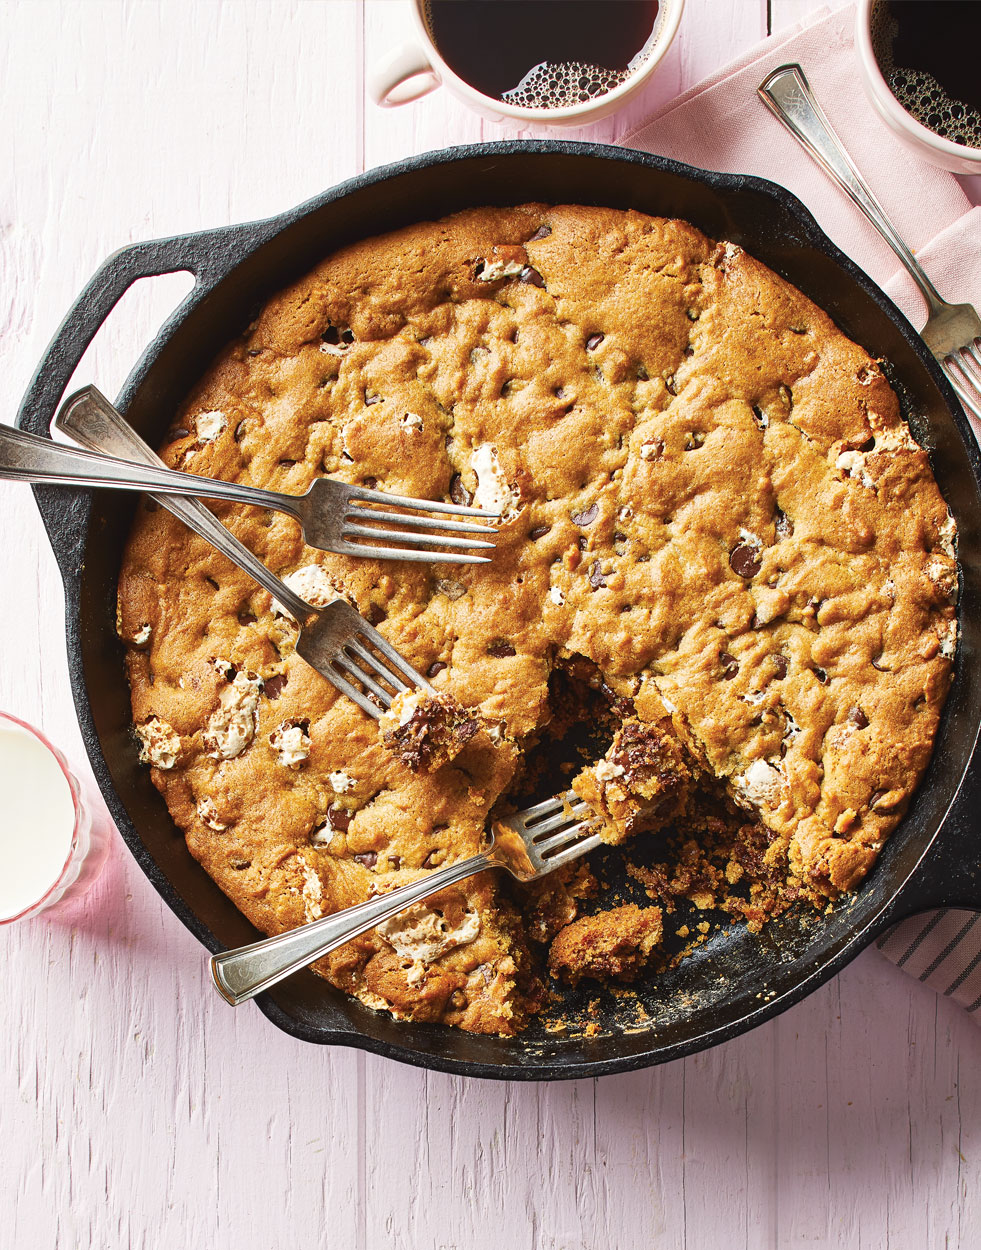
point(416, 68)
point(917, 137)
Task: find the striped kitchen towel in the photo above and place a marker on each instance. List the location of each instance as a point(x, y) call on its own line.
point(721, 124)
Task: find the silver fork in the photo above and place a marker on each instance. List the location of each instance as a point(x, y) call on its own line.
point(952, 331)
point(528, 845)
point(348, 520)
point(335, 640)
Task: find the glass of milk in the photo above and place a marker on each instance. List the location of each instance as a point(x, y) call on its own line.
point(53, 838)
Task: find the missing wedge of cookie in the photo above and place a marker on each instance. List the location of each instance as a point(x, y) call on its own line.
point(713, 516)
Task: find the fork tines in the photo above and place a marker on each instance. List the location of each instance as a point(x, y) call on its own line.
point(369, 522)
point(555, 827)
point(963, 370)
point(364, 666)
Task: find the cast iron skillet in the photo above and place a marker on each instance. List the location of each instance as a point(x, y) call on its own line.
point(736, 980)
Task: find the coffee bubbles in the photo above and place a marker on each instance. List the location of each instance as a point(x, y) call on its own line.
point(561, 86)
point(927, 50)
point(544, 54)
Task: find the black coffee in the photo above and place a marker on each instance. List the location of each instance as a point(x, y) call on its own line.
point(928, 51)
point(542, 53)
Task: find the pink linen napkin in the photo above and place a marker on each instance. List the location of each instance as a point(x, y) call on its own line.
point(721, 124)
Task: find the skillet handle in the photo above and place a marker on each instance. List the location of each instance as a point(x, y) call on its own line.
point(950, 875)
point(208, 255)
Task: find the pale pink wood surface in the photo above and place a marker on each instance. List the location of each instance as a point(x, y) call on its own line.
point(139, 1111)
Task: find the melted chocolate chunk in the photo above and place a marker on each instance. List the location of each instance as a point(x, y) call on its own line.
point(730, 665)
point(542, 232)
point(459, 493)
point(339, 818)
point(367, 858)
point(745, 561)
point(596, 578)
point(594, 341)
point(273, 686)
point(857, 718)
point(781, 664)
point(531, 277)
point(539, 532)
point(500, 647)
point(587, 517)
point(437, 666)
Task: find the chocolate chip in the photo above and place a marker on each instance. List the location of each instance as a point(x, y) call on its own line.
point(371, 397)
point(594, 341)
point(339, 818)
point(430, 860)
point(437, 666)
point(375, 614)
point(273, 687)
point(730, 665)
point(587, 517)
point(596, 578)
point(336, 336)
point(745, 560)
point(879, 794)
point(542, 232)
point(582, 542)
point(180, 432)
point(642, 374)
point(857, 718)
point(458, 492)
point(868, 445)
point(881, 668)
point(239, 431)
point(671, 384)
point(239, 864)
point(367, 858)
point(783, 524)
point(369, 483)
point(500, 647)
point(211, 582)
point(781, 665)
point(286, 464)
point(539, 532)
point(758, 417)
point(531, 277)
point(246, 617)
point(822, 676)
point(466, 729)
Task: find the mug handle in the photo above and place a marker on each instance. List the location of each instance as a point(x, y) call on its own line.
point(391, 81)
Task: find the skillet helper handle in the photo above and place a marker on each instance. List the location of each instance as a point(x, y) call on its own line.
point(208, 255)
point(787, 94)
point(242, 973)
point(92, 421)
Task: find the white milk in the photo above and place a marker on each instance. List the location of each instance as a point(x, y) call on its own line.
point(37, 820)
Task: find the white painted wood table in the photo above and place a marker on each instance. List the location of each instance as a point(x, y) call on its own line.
point(138, 1110)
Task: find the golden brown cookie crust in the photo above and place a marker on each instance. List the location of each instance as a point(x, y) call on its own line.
point(708, 492)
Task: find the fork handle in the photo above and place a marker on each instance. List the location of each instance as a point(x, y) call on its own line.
point(30, 458)
point(90, 419)
point(787, 94)
point(242, 973)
